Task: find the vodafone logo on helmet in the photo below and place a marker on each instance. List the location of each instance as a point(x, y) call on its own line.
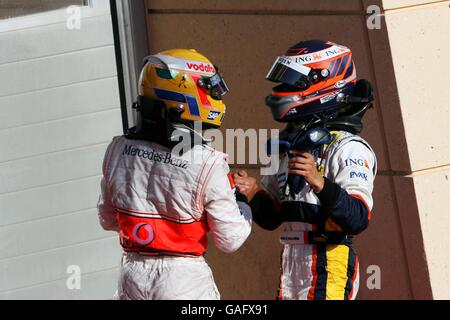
point(203, 67)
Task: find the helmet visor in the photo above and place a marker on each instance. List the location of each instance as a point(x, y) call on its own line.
point(216, 86)
point(287, 71)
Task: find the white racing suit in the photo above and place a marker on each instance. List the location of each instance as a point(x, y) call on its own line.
point(318, 260)
point(163, 205)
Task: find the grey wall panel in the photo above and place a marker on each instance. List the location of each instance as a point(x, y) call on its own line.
point(14, 8)
point(51, 169)
point(97, 285)
point(49, 200)
point(57, 71)
point(51, 265)
point(59, 135)
point(59, 109)
point(58, 103)
point(94, 32)
point(37, 236)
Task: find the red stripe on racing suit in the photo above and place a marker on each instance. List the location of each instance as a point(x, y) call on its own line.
point(144, 234)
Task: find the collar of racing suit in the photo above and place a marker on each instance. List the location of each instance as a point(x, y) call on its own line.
point(179, 131)
point(177, 134)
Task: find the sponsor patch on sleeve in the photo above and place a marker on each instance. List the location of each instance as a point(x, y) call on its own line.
point(357, 162)
point(358, 175)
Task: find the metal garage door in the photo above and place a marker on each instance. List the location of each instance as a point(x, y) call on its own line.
point(59, 108)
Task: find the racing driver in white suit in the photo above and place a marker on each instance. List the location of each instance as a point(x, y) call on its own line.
point(318, 93)
point(163, 201)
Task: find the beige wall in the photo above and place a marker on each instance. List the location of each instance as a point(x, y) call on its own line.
point(243, 38)
point(419, 33)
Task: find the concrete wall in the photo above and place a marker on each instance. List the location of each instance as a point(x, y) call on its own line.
point(243, 38)
point(59, 108)
point(419, 33)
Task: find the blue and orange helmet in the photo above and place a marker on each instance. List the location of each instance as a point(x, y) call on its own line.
point(314, 77)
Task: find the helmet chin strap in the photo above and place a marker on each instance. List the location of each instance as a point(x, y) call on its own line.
point(351, 122)
point(349, 117)
point(296, 130)
point(315, 121)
